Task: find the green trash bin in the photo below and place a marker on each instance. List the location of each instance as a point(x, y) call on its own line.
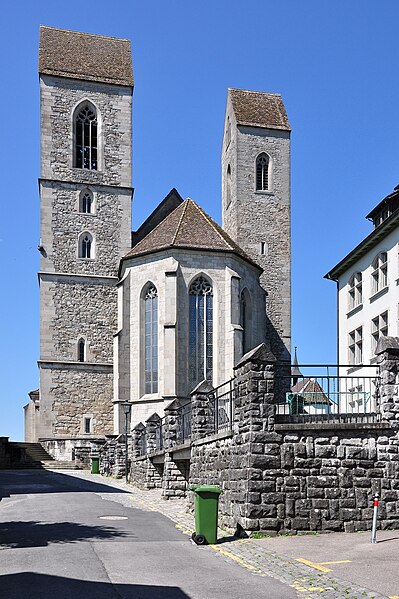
point(95, 464)
point(206, 500)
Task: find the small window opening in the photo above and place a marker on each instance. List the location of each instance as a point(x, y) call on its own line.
point(263, 248)
point(81, 350)
point(87, 425)
point(86, 203)
point(228, 186)
point(86, 246)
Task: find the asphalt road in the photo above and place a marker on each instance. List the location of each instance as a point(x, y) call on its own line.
point(66, 538)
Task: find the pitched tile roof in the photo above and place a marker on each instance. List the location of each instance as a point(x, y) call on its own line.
point(85, 56)
point(188, 227)
point(259, 109)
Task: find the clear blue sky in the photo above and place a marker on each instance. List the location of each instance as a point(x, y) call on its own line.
point(335, 64)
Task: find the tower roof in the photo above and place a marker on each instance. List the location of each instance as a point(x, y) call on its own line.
point(85, 56)
point(187, 227)
point(259, 109)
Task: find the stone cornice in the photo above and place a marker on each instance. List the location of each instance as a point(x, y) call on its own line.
point(83, 184)
point(68, 365)
point(76, 275)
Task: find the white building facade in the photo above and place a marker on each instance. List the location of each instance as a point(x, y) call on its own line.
point(368, 297)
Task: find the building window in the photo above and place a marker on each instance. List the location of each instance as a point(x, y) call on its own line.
point(87, 425)
point(379, 328)
point(263, 248)
point(86, 246)
point(200, 331)
point(379, 274)
point(228, 186)
point(355, 290)
point(262, 172)
point(355, 346)
point(151, 340)
point(81, 350)
point(86, 202)
point(245, 320)
point(85, 123)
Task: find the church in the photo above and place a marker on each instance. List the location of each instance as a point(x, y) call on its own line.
point(143, 317)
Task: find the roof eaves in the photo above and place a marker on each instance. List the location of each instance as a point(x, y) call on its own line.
point(363, 247)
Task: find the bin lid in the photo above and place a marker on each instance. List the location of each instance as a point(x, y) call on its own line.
point(206, 489)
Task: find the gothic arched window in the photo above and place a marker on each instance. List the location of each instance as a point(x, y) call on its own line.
point(151, 340)
point(81, 350)
point(86, 202)
point(262, 172)
point(200, 331)
point(85, 125)
point(86, 246)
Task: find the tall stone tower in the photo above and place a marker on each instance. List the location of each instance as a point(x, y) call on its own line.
point(256, 199)
point(86, 86)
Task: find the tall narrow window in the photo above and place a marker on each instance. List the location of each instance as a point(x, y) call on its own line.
point(228, 186)
point(81, 350)
point(87, 425)
point(379, 274)
point(355, 346)
point(86, 246)
point(151, 340)
point(262, 172)
point(379, 328)
point(86, 138)
point(355, 291)
point(86, 202)
point(245, 320)
point(200, 331)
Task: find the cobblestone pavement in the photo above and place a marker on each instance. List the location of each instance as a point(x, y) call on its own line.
point(247, 553)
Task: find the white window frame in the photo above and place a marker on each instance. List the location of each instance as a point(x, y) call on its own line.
point(355, 291)
point(379, 273)
point(379, 328)
point(355, 346)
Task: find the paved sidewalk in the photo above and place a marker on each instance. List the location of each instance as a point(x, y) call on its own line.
point(311, 577)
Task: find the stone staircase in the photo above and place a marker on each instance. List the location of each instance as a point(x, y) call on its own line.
point(37, 457)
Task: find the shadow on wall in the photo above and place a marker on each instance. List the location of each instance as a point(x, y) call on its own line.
point(16, 535)
point(38, 586)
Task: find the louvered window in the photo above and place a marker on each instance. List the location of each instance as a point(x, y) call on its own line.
point(262, 172)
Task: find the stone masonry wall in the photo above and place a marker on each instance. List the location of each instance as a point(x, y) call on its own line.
point(76, 393)
point(288, 478)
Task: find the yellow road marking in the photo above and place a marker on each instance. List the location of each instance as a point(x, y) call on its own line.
point(313, 565)
point(237, 559)
point(301, 589)
point(183, 529)
point(342, 561)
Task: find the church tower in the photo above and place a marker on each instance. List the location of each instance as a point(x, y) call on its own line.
point(86, 86)
point(256, 199)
